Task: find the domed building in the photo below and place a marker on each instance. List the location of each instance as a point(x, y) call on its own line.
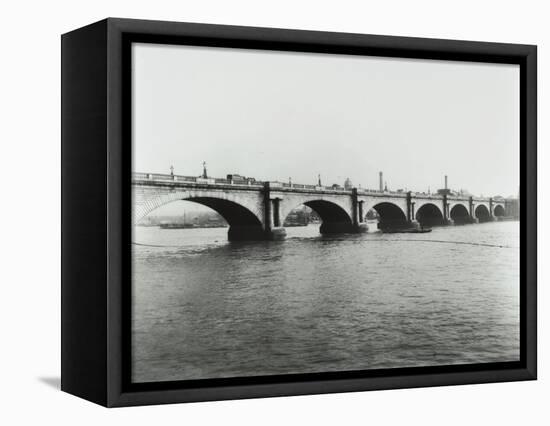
point(347, 184)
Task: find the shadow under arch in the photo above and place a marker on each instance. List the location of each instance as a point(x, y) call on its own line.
point(334, 219)
point(459, 214)
point(429, 215)
point(499, 211)
point(482, 213)
point(390, 216)
point(243, 223)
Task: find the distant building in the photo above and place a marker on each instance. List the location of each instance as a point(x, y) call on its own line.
point(301, 217)
point(347, 184)
point(372, 214)
point(298, 217)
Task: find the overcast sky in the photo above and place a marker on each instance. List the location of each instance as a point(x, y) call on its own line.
point(275, 115)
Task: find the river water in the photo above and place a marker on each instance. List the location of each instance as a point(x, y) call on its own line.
point(204, 307)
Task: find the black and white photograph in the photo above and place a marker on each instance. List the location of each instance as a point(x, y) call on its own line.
point(303, 212)
point(275, 213)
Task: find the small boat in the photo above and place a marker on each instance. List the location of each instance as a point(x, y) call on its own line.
point(176, 226)
point(407, 231)
point(420, 231)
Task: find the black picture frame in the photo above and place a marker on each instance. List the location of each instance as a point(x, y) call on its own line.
point(96, 201)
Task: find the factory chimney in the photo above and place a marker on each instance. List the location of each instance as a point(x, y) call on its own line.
point(381, 181)
point(446, 183)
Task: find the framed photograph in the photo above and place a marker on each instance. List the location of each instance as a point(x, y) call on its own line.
point(254, 212)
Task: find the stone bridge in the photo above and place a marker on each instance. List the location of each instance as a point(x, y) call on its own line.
point(257, 210)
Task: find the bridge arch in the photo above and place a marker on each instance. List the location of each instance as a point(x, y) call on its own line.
point(482, 213)
point(390, 215)
point(429, 215)
point(243, 224)
point(334, 217)
point(499, 210)
point(459, 214)
point(241, 214)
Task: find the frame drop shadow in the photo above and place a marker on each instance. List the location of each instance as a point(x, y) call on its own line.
point(53, 382)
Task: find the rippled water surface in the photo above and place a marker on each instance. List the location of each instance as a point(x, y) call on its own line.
point(207, 308)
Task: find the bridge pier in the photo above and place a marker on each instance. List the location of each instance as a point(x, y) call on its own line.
point(276, 234)
point(273, 229)
point(245, 233)
point(396, 224)
point(445, 208)
point(356, 226)
point(360, 228)
point(255, 233)
point(329, 228)
point(415, 224)
point(336, 228)
point(473, 218)
point(357, 214)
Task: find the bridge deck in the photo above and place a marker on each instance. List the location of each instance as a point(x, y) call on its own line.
point(175, 181)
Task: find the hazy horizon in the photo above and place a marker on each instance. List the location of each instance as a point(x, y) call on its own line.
point(275, 115)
